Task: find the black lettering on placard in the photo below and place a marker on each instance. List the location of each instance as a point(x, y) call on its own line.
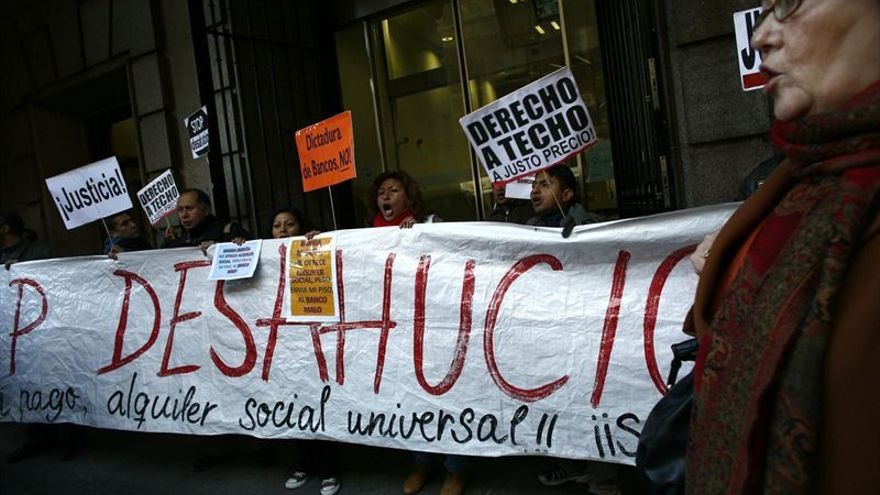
point(54, 402)
point(545, 431)
point(345, 157)
point(490, 158)
point(518, 417)
point(196, 123)
point(93, 193)
point(463, 428)
point(283, 415)
point(323, 138)
point(319, 168)
point(140, 406)
point(478, 133)
point(749, 54)
point(622, 424)
point(606, 444)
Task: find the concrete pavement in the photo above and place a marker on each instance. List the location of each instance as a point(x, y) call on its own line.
point(119, 462)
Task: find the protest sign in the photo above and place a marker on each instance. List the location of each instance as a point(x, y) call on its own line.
point(197, 129)
point(159, 197)
point(520, 188)
point(326, 152)
point(89, 193)
point(744, 25)
point(234, 262)
point(312, 269)
point(532, 128)
point(463, 338)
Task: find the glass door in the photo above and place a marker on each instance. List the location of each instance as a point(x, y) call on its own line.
point(413, 92)
point(420, 100)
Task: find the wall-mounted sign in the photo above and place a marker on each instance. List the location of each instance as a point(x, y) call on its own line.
point(744, 24)
point(197, 129)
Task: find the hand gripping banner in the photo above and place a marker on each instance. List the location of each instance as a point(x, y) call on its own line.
point(469, 338)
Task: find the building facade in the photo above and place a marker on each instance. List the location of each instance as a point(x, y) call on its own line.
point(85, 79)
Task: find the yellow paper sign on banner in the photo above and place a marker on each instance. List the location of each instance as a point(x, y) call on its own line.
point(311, 279)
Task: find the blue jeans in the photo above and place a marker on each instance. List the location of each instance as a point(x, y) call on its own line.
point(453, 463)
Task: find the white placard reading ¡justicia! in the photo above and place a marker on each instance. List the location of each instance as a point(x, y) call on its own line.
point(89, 193)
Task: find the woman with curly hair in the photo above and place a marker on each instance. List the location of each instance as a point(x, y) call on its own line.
point(398, 201)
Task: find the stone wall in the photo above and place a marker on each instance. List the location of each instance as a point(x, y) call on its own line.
point(71, 67)
point(722, 129)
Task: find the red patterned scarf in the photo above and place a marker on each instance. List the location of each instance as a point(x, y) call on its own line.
point(757, 411)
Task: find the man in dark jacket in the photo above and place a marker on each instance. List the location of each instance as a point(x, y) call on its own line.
point(15, 246)
point(125, 235)
point(506, 209)
point(554, 199)
point(200, 227)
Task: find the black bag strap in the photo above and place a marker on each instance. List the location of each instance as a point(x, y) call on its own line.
point(681, 352)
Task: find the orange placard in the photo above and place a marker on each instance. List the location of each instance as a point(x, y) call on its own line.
point(326, 152)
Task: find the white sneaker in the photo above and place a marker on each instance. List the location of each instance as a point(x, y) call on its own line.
point(297, 480)
point(563, 473)
point(330, 486)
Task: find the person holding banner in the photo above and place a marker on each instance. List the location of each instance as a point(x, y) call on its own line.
point(788, 368)
point(17, 246)
point(290, 222)
point(554, 199)
point(14, 244)
point(200, 227)
point(398, 201)
point(322, 457)
point(508, 210)
point(124, 235)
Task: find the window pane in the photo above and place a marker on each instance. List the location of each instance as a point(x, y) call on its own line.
point(357, 96)
point(582, 34)
point(420, 95)
point(507, 46)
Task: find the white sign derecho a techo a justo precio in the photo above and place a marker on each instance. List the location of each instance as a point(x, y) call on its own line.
point(197, 129)
point(744, 24)
point(532, 128)
point(159, 197)
point(89, 193)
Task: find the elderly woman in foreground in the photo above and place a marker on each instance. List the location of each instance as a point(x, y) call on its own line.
point(787, 382)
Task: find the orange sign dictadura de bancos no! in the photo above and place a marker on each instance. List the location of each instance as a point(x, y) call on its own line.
point(326, 152)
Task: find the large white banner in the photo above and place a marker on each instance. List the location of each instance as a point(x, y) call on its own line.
point(532, 128)
point(89, 193)
point(473, 338)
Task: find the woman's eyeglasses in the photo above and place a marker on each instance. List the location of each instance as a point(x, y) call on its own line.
point(781, 10)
